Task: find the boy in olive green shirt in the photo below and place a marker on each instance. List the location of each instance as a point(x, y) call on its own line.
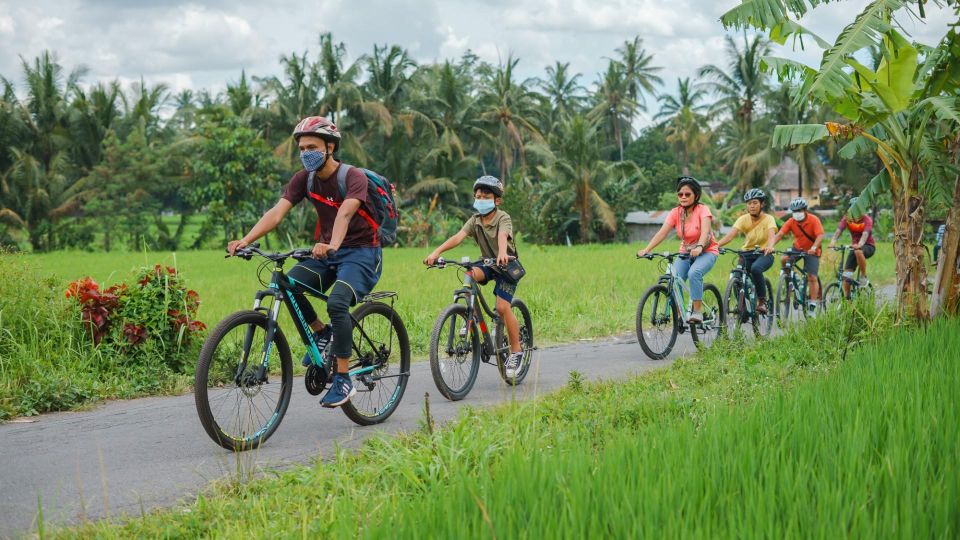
point(492, 230)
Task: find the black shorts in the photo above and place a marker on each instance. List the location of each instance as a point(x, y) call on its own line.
point(868, 252)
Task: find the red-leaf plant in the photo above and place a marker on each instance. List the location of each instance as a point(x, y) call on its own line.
point(96, 306)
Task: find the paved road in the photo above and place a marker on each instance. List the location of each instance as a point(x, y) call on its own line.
point(128, 456)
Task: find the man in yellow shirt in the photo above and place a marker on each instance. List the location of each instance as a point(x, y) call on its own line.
point(759, 228)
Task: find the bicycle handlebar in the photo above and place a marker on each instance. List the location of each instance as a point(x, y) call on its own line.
point(665, 255)
point(844, 248)
point(248, 252)
point(754, 251)
point(442, 263)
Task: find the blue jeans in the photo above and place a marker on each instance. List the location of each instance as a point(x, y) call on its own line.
point(351, 272)
point(696, 270)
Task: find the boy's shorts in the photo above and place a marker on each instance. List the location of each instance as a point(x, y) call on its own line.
point(502, 288)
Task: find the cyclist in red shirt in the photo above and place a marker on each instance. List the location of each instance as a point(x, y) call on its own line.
point(861, 235)
point(807, 236)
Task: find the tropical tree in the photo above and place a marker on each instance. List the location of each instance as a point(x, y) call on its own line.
point(641, 77)
point(740, 87)
point(893, 112)
point(686, 123)
point(564, 93)
point(576, 173)
point(614, 106)
point(508, 107)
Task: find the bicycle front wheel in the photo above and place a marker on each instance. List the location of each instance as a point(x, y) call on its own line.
point(714, 324)
point(522, 314)
point(454, 353)
point(381, 363)
point(767, 320)
point(657, 322)
point(238, 403)
point(832, 296)
point(783, 305)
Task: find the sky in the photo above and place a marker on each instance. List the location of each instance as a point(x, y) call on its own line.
point(207, 44)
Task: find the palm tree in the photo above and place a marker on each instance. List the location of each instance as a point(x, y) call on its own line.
point(614, 104)
point(640, 75)
point(741, 86)
point(93, 113)
point(577, 171)
point(686, 121)
point(564, 93)
point(509, 108)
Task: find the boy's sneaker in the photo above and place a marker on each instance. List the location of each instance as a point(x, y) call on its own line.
point(341, 390)
point(696, 317)
point(864, 282)
point(322, 338)
point(512, 365)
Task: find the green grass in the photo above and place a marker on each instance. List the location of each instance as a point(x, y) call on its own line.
point(782, 438)
point(583, 291)
point(579, 292)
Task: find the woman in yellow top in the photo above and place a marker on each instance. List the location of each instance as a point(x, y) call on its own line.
point(759, 228)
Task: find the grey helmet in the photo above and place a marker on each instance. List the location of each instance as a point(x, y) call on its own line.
point(755, 193)
point(853, 201)
point(798, 204)
point(491, 183)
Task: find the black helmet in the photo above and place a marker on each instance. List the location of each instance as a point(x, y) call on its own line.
point(490, 183)
point(755, 193)
point(694, 185)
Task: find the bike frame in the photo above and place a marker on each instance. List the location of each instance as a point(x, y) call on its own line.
point(739, 272)
point(790, 269)
point(678, 290)
point(477, 305)
point(282, 288)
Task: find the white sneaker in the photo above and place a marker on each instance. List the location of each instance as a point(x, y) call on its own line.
point(696, 317)
point(512, 365)
point(864, 282)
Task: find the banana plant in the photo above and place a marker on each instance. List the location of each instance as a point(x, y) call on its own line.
point(894, 112)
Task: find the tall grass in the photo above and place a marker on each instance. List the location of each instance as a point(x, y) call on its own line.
point(779, 438)
point(48, 362)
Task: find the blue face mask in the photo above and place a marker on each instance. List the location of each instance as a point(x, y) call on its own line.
point(313, 159)
point(484, 206)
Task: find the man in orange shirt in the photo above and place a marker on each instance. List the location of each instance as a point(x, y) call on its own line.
point(807, 235)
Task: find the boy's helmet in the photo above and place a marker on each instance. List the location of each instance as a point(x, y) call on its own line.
point(798, 204)
point(491, 183)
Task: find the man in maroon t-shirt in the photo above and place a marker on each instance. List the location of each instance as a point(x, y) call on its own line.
point(348, 257)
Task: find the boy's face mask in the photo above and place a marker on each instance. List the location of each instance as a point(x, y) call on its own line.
point(484, 206)
point(799, 216)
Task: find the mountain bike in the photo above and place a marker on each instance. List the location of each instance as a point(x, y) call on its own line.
point(661, 313)
point(833, 294)
point(740, 298)
point(792, 295)
point(244, 375)
point(461, 339)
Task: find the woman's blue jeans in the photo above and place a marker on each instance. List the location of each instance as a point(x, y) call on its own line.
point(696, 269)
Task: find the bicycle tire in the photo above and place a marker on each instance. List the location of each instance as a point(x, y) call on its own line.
point(767, 321)
point(239, 442)
point(832, 296)
point(783, 304)
point(714, 321)
point(659, 294)
point(374, 352)
point(526, 343)
point(731, 305)
point(454, 313)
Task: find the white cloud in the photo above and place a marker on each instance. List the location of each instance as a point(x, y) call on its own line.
point(7, 26)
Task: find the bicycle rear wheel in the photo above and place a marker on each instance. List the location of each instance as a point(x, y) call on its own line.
point(382, 350)
point(657, 322)
point(714, 324)
point(522, 314)
point(454, 353)
point(239, 407)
